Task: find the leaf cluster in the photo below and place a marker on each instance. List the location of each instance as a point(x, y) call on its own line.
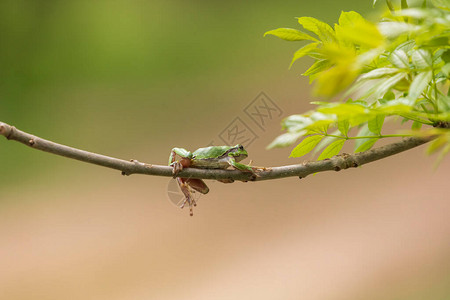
point(397, 68)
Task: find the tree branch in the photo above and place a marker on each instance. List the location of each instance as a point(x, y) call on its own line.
point(336, 163)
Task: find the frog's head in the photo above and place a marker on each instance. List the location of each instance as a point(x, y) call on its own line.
point(238, 152)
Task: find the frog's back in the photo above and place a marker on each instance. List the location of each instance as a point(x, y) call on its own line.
point(210, 152)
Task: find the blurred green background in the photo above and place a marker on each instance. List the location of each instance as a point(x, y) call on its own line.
point(142, 74)
point(132, 79)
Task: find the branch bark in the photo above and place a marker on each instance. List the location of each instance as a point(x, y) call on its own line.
point(336, 163)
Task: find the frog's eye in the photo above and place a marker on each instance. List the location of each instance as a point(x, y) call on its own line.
point(241, 147)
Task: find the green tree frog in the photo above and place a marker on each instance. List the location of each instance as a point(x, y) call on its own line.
point(214, 157)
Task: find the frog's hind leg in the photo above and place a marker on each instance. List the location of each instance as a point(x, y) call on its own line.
point(197, 184)
point(226, 180)
point(188, 198)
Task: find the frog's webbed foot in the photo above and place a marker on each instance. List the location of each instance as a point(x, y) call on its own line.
point(191, 202)
point(177, 168)
point(256, 170)
point(188, 198)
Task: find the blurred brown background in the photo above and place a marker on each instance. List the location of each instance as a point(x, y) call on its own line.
point(132, 79)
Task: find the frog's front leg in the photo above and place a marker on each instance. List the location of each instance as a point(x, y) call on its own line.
point(184, 162)
point(240, 166)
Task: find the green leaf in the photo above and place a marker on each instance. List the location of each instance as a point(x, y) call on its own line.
point(389, 96)
point(332, 149)
point(317, 67)
point(376, 124)
point(446, 70)
point(338, 54)
point(305, 50)
point(355, 29)
point(350, 18)
point(326, 141)
point(414, 116)
point(289, 34)
point(365, 34)
point(444, 102)
point(390, 6)
point(437, 55)
point(416, 125)
point(419, 84)
point(422, 59)
point(436, 144)
point(399, 59)
point(446, 55)
point(415, 13)
point(296, 123)
point(285, 139)
point(392, 29)
point(342, 109)
point(403, 4)
point(378, 73)
point(344, 126)
point(322, 29)
point(385, 85)
point(320, 126)
point(366, 145)
point(406, 46)
point(436, 42)
point(335, 80)
point(398, 106)
point(306, 145)
point(443, 4)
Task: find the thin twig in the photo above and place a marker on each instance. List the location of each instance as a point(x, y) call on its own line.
point(336, 163)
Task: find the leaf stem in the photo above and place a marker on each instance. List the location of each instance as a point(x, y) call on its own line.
point(431, 102)
point(410, 116)
point(368, 137)
point(435, 92)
